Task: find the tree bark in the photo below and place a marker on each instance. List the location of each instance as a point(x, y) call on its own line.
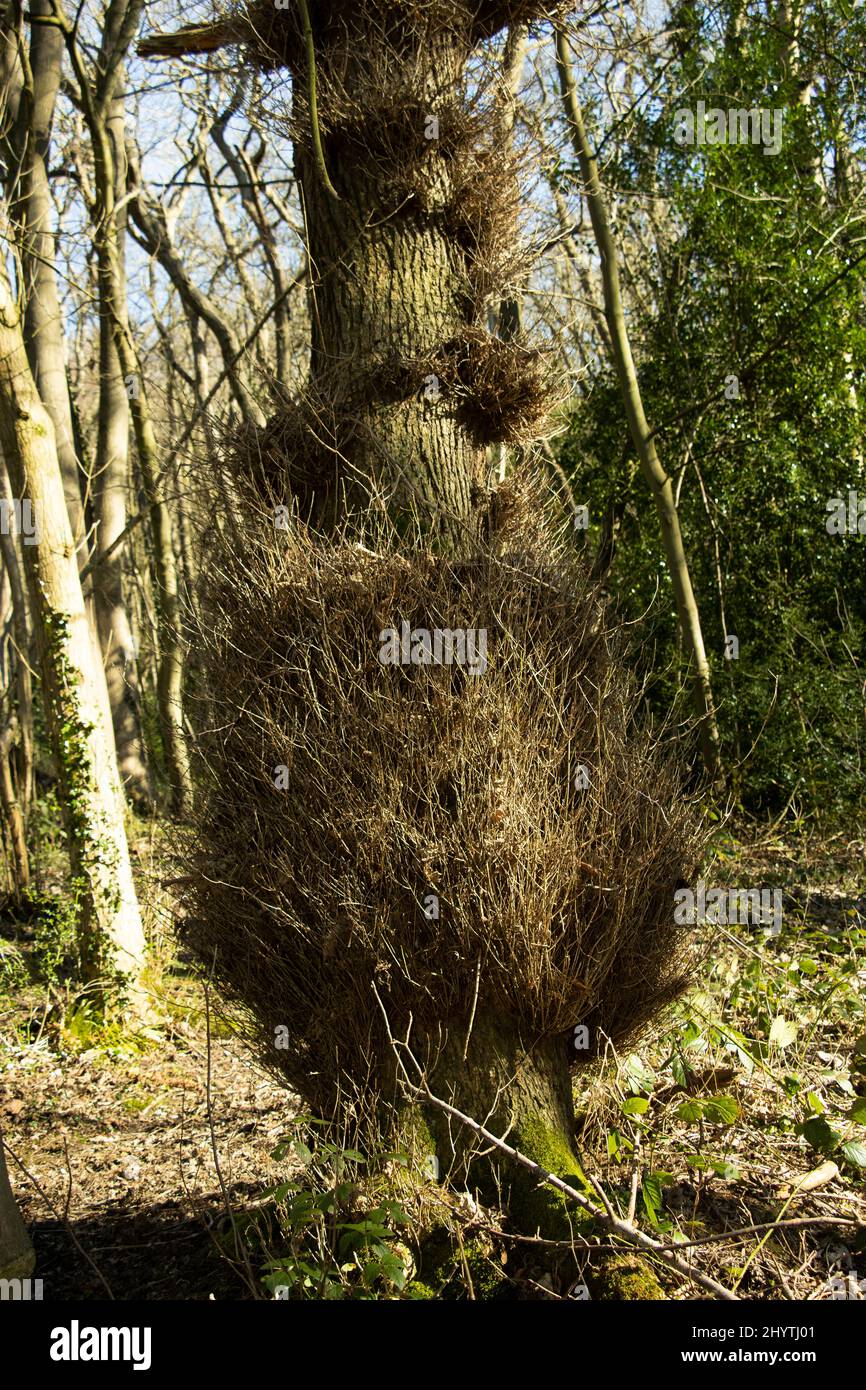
point(12, 814)
point(523, 1087)
point(509, 318)
point(385, 290)
point(14, 838)
point(798, 89)
point(23, 633)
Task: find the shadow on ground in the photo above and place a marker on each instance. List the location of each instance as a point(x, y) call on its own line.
point(148, 1252)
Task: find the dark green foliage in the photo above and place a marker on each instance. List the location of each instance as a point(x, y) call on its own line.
point(762, 282)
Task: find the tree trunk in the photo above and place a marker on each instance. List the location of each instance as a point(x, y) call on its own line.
point(659, 483)
point(110, 484)
point(393, 285)
point(509, 319)
point(388, 292)
point(798, 89)
point(17, 1258)
point(109, 930)
point(386, 295)
point(12, 814)
point(517, 1087)
point(44, 338)
point(115, 631)
point(392, 290)
point(43, 322)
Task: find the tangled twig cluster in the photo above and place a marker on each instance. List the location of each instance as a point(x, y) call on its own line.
point(347, 798)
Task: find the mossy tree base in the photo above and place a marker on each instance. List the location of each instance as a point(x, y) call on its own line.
point(521, 1092)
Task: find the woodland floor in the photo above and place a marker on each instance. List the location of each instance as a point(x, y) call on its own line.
point(129, 1203)
point(118, 1138)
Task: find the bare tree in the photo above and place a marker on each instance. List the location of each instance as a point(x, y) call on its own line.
point(152, 227)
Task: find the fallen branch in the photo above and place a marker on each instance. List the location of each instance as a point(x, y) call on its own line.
point(719, 1237)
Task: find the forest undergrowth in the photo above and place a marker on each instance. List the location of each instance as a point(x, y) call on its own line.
point(736, 1130)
